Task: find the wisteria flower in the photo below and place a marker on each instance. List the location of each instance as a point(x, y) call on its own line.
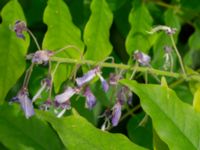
point(87, 77)
point(25, 102)
point(104, 83)
point(116, 113)
point(46, 105)
point(19, 28)
point(142, 58)
point(66, 95)
point(114, 78)
point(90, 98)
point(40, 57)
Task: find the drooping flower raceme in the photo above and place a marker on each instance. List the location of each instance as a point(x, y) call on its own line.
point(25, 102)
point(90, 98)
point(142, 58)
point(19, 28)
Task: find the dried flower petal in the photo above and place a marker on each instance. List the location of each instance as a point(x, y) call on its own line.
point(90, 98)
point(19, 27)
point(168, 30)
point(116, 113)
point(142, 58)
point(87, 77)
point(66, 95)
point(41, 56)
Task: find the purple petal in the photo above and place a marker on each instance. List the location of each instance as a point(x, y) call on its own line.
point(87, 77)
point(104, 83)
point(26, 104)
point(116, 114)
point(66, 95)
point(19, 27)
point(90, 98)
point(142, 58)
point(41, 56)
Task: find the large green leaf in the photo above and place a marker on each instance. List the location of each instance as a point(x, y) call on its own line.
point(176, 122)
point(19, 133)
point(77, 134)
point(13, 49)
point(96, 33)
point(61, 33)
point(141, 21)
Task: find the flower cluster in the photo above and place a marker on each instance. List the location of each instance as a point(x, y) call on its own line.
point(61, 102)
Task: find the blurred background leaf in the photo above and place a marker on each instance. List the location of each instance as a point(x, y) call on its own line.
point(19, 133)
point(96, 32)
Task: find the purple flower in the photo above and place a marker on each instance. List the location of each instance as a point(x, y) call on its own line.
point(90, 98)
point(87, 77)
point(142, 58)
point(66, 95)
point(40, 57)
point(114, 78)
point(104, 83)
point(116, 113)
point(25, 102)
point(46, 105)
point(19, 27)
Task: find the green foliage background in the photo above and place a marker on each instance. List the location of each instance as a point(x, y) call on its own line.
point(102, 28)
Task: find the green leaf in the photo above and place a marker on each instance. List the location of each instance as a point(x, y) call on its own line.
point(140, 134)
point(158, 143)
point(96, 33)
point(77, 133)
point(176, 123)
point(61, 33)
point(141, 21)
point(196, 101)
point(19, 133)
point(13, 49)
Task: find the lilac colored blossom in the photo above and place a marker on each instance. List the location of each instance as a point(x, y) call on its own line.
point(104, 83)
point(87, 77)
point(46, 105)
point(142, 58)
point(130, 98)
point(66, 95)
point(114, 78)
point(19, 27)
point(40, 56)
point(90, 98)
point(116, 113)
point(25, 102)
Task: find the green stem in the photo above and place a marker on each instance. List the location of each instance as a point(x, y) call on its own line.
point(34, 38)
point(114, 65)
point(178, 54)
